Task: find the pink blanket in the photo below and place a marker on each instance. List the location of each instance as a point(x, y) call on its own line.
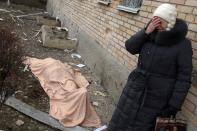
point(67, 90)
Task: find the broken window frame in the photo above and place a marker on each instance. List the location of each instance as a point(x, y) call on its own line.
point(105, 2)
point(132, 6)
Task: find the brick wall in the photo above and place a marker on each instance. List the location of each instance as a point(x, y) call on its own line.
point(111, 28)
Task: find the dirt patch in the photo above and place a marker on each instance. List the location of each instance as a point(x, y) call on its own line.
point(28, 88)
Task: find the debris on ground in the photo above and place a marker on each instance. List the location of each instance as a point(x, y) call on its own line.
point(101, 128)
point(75, 55)
point(4, 10)
point(62, 28)
point(34, 14)
point(80, 65)
point(68, 38)
point(19, 122)
point(36, 34)
point(25, 34)
point(95, 103)
point(26, 68)
point(13, 17)
point(72, 64)
point(24, 39)
point(68, 51)
point(99, 93)
point(39, 41)
point(16, 92)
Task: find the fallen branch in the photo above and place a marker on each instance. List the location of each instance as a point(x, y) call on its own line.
point(20, 16)
point(25, 39)
point(36, 34)
point(24, 34)
point(20, 20)
point(12, 16)
point(17, 11)
point(4, 10)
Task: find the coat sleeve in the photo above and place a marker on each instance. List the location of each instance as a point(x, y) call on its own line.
point(183, 80)
point(135, 43)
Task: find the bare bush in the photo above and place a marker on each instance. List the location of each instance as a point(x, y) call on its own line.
point(10, 59)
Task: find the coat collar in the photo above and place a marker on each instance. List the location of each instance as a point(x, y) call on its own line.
point(174, 36)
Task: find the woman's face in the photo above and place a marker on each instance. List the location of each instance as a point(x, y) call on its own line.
point(163, 25)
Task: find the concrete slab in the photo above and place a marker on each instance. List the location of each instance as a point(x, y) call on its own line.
point(38, 115)
point(46, 20)
point(55, 38)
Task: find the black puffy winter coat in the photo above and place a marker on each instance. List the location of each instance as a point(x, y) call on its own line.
point(162, 78)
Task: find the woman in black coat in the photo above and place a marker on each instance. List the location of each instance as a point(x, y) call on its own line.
point(159, 84)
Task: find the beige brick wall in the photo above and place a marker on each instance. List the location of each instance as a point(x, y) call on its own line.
point(111, 28)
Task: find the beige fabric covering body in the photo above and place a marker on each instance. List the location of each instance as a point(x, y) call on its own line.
point(67, 90)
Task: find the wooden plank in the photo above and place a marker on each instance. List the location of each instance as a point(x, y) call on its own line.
point(38, 115)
